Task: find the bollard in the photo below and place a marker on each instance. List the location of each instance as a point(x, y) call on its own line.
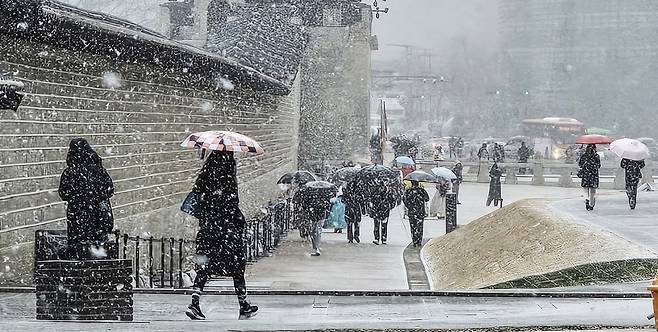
point(483, 171)
point(538, 173)
point(451, 212)
point(654, 296)
point(565, 178)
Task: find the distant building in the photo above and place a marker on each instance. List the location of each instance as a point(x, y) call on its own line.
point(590, 59)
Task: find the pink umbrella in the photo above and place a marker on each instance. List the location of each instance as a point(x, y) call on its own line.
point(223, 141)
point(593, 139)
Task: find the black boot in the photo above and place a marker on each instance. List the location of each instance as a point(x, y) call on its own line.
point(194, 310)
point(248, 312)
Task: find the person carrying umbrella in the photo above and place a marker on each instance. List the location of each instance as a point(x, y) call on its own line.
point(495, 191)
point(220, 241)
point(633, 174)
point(414, 200)
point(353, 205)
point(589, 164)
point(632, 153)
point(314, 201)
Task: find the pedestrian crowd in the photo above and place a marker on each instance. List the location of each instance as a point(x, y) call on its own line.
point(338, 202)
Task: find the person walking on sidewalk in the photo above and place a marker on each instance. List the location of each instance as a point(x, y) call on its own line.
point(633, 170)
point(589, 164)
point(381, 204)
point(458, 169)
point(352, 214)
point(220, 242)
point(87, 187)
point(415, 199)
point(495, 190)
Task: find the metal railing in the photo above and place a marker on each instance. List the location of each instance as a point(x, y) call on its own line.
point(162, 262)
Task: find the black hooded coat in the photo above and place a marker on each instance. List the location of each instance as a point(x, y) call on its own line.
point(221, 223)
point(87, 187)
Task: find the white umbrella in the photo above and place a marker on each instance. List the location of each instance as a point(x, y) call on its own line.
point(630, 149)
point(445, 173)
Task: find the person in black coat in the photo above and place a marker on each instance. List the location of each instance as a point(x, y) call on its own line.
point(314, 208)
point(414, 199)
point(352, 213)
point(87, 187)
point(495, 192)
point(524, 153)
point(589, 164)
point(381, 201)
point(633, 170)
point(220, 244)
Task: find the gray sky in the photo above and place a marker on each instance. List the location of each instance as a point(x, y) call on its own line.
point(434, 23)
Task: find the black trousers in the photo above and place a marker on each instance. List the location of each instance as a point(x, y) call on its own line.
point(631, 192)
point(239, 284)
point(380, 236)
point(416, 230)
point(353, 230)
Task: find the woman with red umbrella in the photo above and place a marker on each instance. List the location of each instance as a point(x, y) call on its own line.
point(589, 164)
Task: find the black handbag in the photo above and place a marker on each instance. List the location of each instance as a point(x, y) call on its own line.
point(191, 204)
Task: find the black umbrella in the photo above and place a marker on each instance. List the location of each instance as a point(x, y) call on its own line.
point(344, 174)
point(315, 190)
point(297, 177)
point(376, 181)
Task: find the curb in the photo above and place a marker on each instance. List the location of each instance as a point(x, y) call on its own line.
point(480, 293)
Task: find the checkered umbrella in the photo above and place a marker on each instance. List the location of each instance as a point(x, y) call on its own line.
point(222, 141)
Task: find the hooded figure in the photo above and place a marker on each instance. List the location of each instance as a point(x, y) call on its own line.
point(415, 199)
point(87, 187)
point(633, 170)
point(220, 239)
point(495, 191)
point(589, 164)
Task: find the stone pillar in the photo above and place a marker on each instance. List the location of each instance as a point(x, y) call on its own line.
point(510, 175)
point(647, 172)
point(620, 179)
point(538, 173)
point(483, 172)
point(565, 177)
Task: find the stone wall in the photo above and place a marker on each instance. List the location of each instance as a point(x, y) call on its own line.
point(336, 94)
point(136, 124)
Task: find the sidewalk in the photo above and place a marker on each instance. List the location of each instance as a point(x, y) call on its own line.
point(165, 313)
point(613, 214)
point(366, 266)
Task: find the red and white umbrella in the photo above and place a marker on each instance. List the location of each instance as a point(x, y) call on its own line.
point(222, 141)
point(593, 139)
point(630, 149)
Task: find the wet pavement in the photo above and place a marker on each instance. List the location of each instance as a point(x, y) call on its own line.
point(165, 313)
point(613, 214)
point(366, 266)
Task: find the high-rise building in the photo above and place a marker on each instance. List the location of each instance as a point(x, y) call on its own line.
point(590, 59)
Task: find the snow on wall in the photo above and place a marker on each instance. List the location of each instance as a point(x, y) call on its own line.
point(143, 12)
point(135, 118)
